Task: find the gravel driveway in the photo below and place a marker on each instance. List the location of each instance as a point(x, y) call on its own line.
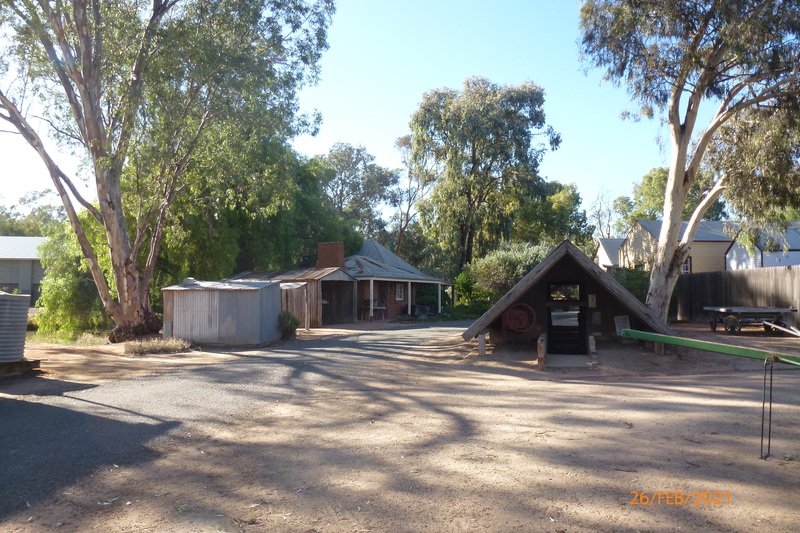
point(398, 430)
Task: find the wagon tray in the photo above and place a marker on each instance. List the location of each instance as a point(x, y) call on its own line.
point(733, 318)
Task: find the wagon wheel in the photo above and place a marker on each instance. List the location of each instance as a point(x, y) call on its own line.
point(713, 324)
point(732, 325)
point(519, 317)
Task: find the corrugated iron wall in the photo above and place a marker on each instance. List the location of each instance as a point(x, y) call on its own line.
point(13, 326)
point(225, 317)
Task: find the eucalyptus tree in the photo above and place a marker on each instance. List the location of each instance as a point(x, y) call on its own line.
point(738, 56)
point(554, 217)
point(358, 186)
point(484, 141)
point(411, 192)
point(133, 86)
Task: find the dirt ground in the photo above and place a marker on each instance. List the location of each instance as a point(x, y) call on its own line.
point(465, 444)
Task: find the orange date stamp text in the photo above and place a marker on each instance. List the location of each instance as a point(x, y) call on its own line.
point(677, 497)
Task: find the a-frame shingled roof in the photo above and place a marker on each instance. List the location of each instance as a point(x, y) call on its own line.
point(601, 276)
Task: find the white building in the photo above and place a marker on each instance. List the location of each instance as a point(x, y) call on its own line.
point(773, 249)
point(20, 265)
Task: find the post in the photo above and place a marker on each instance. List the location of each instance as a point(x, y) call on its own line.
point(371, 298)
point(408, 297)
point(439, 296)
point(355, 303)
point(482, 344)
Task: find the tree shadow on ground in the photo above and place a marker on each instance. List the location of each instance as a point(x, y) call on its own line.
point(44, 448)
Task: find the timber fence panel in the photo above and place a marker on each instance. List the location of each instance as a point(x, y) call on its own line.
point(758, 287)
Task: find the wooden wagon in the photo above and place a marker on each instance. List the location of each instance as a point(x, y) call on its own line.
point(734, 318)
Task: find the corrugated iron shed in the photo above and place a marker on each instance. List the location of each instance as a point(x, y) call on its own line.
point(223, 312)
point(331, 293)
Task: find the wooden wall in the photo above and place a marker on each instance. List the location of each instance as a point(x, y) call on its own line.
point(758, 287)
point(295, 300)
point(339, 307)
point(638, 249)
point(600, 317)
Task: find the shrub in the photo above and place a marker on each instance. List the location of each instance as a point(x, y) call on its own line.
point(69, 298)
point(288, 324)
point(498, 271)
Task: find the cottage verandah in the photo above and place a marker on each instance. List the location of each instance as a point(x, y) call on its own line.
point(387, 285)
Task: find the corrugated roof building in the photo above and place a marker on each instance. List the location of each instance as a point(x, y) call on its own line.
point(20, 265)
point(222, 312)
point(387, 284)
point(328, 296)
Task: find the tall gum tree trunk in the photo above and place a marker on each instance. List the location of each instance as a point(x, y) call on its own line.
point(671, 252)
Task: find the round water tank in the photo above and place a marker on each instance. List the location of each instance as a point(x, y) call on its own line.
point(13, 325)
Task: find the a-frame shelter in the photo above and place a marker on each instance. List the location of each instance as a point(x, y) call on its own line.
point(568, 297)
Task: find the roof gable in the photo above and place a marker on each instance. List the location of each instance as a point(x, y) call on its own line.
point(611, 248)
point(376, 261)
point(590, 267)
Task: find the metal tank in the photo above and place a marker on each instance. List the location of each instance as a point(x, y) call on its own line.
point(13, 325)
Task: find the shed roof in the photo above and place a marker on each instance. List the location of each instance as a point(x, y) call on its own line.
point(772, 237)
point(707, 230)
point(602, 277)
point(317, 273)
point(611, 248)
point(229, 285)
point(20, 247)
point(376, 261)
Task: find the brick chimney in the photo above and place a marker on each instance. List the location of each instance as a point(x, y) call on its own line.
point(330, 254)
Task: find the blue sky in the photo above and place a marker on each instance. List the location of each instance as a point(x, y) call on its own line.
point(384, 56)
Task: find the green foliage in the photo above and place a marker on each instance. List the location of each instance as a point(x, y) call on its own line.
point(288, 324)
point(552, 218)
point(467, 292)
point(34, 222)
point(160, 98)
point(71, 304)
point(498, 271)
point(647, 201)
point(767, 140)
point(267, 213)
point(483, 145)
point(636, 281)
point(426, 294)
point(357, 186)
point(740, 57)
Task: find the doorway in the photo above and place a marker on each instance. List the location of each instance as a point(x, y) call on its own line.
point(566, 319)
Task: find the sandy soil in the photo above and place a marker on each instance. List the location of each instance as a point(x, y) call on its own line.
point(439, 439)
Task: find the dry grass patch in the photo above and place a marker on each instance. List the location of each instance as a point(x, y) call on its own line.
point(153, 346)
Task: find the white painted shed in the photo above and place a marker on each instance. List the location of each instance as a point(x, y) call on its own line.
point(223, 312)
point(774, 248)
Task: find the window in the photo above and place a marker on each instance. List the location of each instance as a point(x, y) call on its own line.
point(399, 292)
point(564, 292)
point(686, 267)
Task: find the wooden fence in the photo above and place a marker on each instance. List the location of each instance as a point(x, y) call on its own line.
point(758, 287)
